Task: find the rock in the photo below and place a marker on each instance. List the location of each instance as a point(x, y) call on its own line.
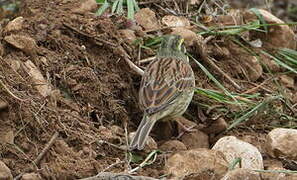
point(197, 139)
point(173, 146)
point(234, 148)
point(147, 19)
point(128, 35)
point(189, 36)
point(150, 143)
point(15, 64)
point(24, 43)
point(233, 18)
point(216, 127)
point(39, 82)
point(275, 165)
point(3, 105)
point(269, 64)
point(198, 162)
point(282, 142)
point(14, 25)
point(86, 6)
point(242, 174)
point(117, 130)
point(6, 135)
point(31, 176)
point(185, 123)
point(278, 36)
point(254, 68)
point(287, 81)
point(175, 21)
point(5, 173)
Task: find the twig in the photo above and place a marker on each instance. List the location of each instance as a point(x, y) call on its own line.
point(146, 60)
point(9, 92)
point(112, 145)
point(46, 148)
point(94, 38)
point(257, 87)
point(41, 155)
point(120, 50)
point(108, 175)
point(210, 61)
point(112, 165)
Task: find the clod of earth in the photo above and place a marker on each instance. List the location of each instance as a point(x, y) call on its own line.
point(5, 172)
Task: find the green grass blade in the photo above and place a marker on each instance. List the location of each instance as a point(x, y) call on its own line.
point(254, 110)
point(222, 98)
point(102, 9)
point(136, 7)
point(211, 76)
point(120, 9)
point(278, 61)
point(114, 6)
point(261, 18)
point(130, 6)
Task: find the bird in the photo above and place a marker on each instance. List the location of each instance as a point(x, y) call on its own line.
point(166, 88)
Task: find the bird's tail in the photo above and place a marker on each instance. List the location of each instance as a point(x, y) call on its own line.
point(145, 127)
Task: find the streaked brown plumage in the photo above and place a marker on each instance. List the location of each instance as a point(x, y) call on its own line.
point(166, 89)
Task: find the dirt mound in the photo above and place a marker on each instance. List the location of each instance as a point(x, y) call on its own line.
point(68, 97)
point(90, 89)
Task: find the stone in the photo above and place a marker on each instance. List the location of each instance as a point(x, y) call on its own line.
point(216, 127)
point(198, 162)
point(281, 142)
point(15, 64)
point(173, 146)
point(175, 21)
point(287, 81)
point(189, 36)
point(269, 64)
point(6, 135)
point(39, 82)
point(275, 165)
point(196, 139)
point(242, 174)
point(31, 176)
point(5, 173)
point(3, 105)
point(234, 148)
point(86, 6)
point(147, 19)
point(277, 36)
point(185, 122)
point(254, 68)
point(24, 43)
point(128, 35)
point(14, 25)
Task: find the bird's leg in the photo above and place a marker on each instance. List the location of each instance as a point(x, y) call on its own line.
point(185, 129)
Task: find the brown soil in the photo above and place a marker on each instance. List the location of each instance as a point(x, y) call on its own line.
point(94, 94)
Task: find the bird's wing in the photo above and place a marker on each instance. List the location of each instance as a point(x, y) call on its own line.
point(163, 81)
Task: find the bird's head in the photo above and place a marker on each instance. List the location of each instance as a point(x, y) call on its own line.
point(172, 46)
